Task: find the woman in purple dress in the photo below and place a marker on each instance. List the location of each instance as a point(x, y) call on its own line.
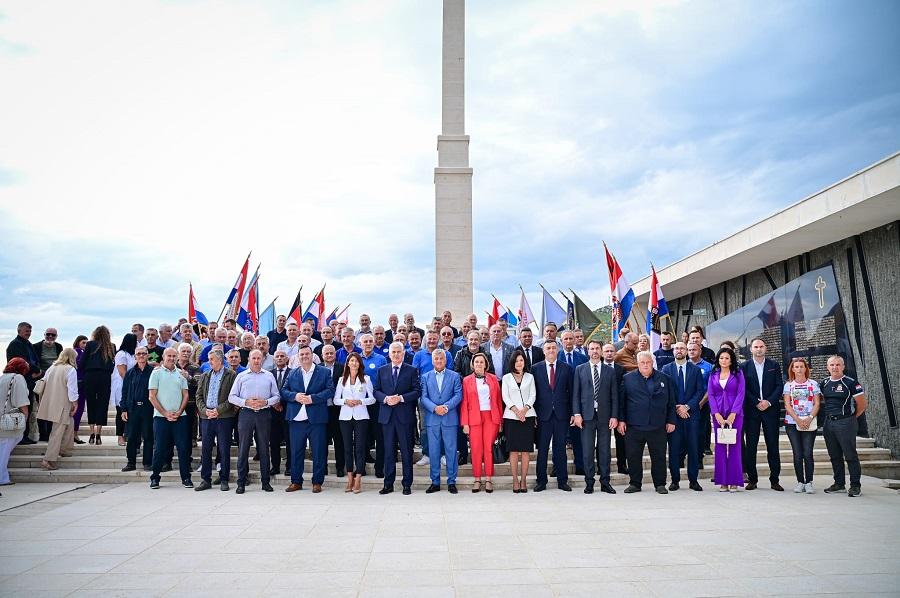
point(80, 341)
point(726, 404)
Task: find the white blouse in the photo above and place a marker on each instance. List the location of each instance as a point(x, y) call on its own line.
point(484, 394)
point(357, 391)
point(515, 395)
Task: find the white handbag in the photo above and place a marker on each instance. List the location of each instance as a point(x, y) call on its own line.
point(14, 421)
point(726, 435)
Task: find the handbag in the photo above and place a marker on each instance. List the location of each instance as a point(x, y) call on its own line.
point(726, 435)
point(499, 451)
point(13, 421)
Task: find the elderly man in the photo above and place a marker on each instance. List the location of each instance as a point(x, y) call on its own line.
point(137, 411)
point(348, 345)
point(186, 332)
point(305, 396)
point(446, 341)
point(393, 323)
point(410, 322)
point(627, 355)
point(278, 334)
point(254, 392)
point(464, 329)
point(46, 350)
point(233, 338)
point(499, 350)
point(397, 392)
point(169, 397)
point(219, 337)
point(165, 337)
point(447, 321)
point(234, 361)
point(690, 387)
point(217, 416)
point(441, 397)
point(308, 330)
point(280, 433)
point(248, 343)
point(364, 326)
point(843, 402)
point(262, 343)
point(381, 346)
point(290, 345)
point(423, 364)
point(647, 414)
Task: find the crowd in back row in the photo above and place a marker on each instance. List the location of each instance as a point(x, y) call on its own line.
point(382, 388)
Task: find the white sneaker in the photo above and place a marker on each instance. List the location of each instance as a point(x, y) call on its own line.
point(424, 460)
point(443, 460)
point(810, 489)
point(800, 488)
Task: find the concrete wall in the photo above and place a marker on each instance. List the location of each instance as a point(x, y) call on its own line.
point(870, 259)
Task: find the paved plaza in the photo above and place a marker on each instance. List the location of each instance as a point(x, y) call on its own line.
point(123, 540)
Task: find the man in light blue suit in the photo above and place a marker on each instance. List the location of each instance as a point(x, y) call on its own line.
point(441, 397)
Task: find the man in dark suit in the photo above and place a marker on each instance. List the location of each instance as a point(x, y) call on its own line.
point(762, 407)
point(690, 386)
point(397, 391)
point(572, 358)
point(533, 354)
point(609, 359)
point(553, 404)
point(647, 409)
point(333, 431)
point(305, 395)
point(595, 405)
point(279, 432)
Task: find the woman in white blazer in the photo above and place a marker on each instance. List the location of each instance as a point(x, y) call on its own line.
point(519, 416)
point(353, 394)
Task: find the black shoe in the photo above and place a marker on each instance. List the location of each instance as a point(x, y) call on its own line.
point(834, 488)
point(777, 487)
point(78, 441)
point(27, 441)
point(674, 486)
point(154, 484)
point(147, 468)
point(695, 486)
point(273, 471)
point(386, 490)
point(217, 481)
point(204, 485)
point(607, 488)
point(750, 486)
point(129, 467)
point(432, 489)
point(167, 467)
point(224, 487)
point(854, 491)
point(370, 458)
point(707, 452)
point(632, 489)
point(267, 487)
point(340, 473)
point(540, 487)
point(379, 474)
point(451, 488)
point(407, 491)
point(661, 490)
point(239, 490)
point(579, 471)
point(589, 489)
point(623, 471)
point(462, 460)
point(565, 487)
point(187, 483)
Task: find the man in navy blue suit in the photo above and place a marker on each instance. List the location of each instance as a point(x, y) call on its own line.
point(762, 408)
point(397, 391)
point(690, 387)
point(570, 356)
point(553, 381)
point(305, 395)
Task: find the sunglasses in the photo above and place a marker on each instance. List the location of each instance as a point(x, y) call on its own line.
point(50, 335)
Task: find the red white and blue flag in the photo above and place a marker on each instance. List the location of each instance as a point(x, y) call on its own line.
point(248, 313)
point(316, 311)
point(656, 310)
point(621, 293)
point(232, 304)
point(194, 315)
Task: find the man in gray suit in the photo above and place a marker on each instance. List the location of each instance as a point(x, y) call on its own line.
point(595, 405)
point(499, 350)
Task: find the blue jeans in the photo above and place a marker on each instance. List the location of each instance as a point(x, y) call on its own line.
point(442, 439)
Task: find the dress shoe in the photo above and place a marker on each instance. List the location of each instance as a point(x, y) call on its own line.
point(78, 441)
point(451, 488)
point(154, 484)
point(695, 486)
point(294, 488)
point(204, 485)
point(432, 489)
point(607, 488)
point(379, 474)
point(187, 483)
point(164, 467)
point(147, 468)
point(273, 471)
point(674, 486)
point(589, 489)
point(622, 470)
point(317, 488)
point(540, 487)
point(370, 458)
point(751, 486)
point(27, 441)
point(267, 487)
point(386, 490)
point(239, 490)
point(217, 481)
point(129, 467)
point(224, 487)
point(565, 487)
point(407, 491)
point(462, 460)
point(579, 471)
point(777, 487)
point(661, 490)
point(340, 473)
point(632, 489)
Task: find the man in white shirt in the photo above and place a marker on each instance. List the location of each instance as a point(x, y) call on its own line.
point(290, 346)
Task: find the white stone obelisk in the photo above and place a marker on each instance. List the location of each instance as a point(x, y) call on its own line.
point(453, 177)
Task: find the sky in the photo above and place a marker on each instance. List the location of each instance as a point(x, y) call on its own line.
point(146, 145)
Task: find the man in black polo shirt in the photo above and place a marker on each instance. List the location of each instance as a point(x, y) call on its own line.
point(844, 403)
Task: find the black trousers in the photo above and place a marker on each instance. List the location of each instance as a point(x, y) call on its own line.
point(704, 431)
point(216, 433)
point(655, 441)
point(398, 433)
point(354, 436)
point(621, 453)
point(260, 423)
point(840, 440)
point(802, 444)
point(770, 422)
point(557, 431)
point(166, 434)
point(120, 425)
point(140, 430)
point(334, 434)
point(277, 435)
point(96, 390)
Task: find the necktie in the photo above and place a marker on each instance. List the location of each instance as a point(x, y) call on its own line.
point(552, 376)
point(280, 378)
point(569, 359)
point(396, 372)
point(596, 384)
point(681, 378)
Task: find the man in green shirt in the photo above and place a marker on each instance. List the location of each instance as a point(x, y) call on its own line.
point(169, 396)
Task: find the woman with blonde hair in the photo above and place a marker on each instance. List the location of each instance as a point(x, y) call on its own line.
point(59, 401)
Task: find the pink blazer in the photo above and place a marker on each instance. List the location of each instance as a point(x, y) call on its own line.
point(470, 409)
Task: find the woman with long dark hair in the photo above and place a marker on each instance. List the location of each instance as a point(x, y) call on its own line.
point(124, 361)
point(726, 404)
point(354, 394)
point(79, 344)
point(97, 365)
point(517, 391)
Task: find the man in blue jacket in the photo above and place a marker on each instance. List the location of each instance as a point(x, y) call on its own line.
point(441, 397)
point(690, 385)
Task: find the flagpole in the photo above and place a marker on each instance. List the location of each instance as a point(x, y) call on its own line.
point(226, 302)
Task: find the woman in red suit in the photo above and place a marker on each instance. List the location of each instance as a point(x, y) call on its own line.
point(481, 415)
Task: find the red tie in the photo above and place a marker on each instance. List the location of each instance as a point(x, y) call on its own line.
point(552, 376)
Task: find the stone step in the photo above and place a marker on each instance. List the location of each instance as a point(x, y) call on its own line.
point(882, 469)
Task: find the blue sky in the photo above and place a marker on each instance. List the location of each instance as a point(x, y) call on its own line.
point(150, 144)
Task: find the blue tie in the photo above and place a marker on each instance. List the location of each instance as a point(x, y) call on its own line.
point(396, 373)
point(569, 359)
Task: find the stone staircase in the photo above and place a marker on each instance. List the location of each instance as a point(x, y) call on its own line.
point(102, 464)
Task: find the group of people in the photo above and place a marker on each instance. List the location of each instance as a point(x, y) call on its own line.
point(475, 391)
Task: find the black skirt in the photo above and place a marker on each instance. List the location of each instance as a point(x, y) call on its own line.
point(519, 435)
